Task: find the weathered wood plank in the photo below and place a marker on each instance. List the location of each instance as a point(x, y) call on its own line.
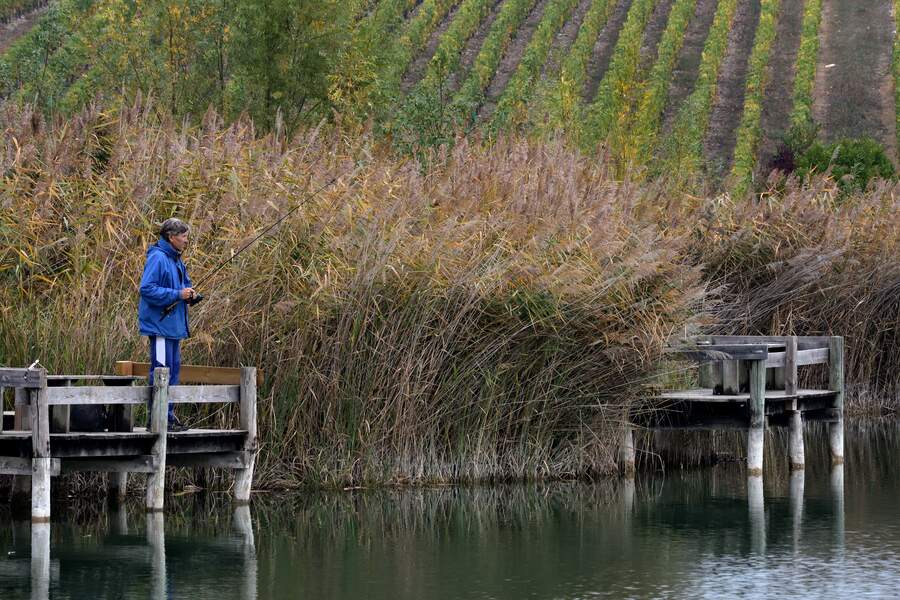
point(218, 460)
point(805, 342)
point(757, 406)
point(189, 373)
point(67, 396)
point(158, 425)
point(731, 377)
point(131, 464)
point(723, 352)
point(708, 395)
point(13, 465)
point(804, 357)
point(23, 378)
point(203, 394)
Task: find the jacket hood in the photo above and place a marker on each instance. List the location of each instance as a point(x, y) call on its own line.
point(165, 247)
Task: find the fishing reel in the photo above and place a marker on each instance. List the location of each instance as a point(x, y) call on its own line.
point(198, 298)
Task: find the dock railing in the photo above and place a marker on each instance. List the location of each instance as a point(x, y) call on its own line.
point(122, 449)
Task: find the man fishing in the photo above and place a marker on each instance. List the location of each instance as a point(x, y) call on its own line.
point(166, 290)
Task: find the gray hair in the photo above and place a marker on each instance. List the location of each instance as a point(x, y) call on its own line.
point(172, 226)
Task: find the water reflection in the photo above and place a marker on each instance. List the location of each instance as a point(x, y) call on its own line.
point(706, 533)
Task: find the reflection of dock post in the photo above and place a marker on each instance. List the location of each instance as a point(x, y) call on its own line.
point(626, 452)
point(756, 431)
point(40, 560)
point(156, 539)
point(243, 526)
point(837, 496)
point(243, 478)
point(159, 414)
point(757, 508)
point(836, 384)
point(118, 520)
point(798, 481)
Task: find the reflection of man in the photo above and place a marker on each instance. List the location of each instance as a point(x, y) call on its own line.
point(165, 282)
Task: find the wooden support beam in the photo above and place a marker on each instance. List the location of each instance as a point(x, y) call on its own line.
point(756, 431)
point(40, 454)
point(805, 342)
point(137, 395)
point(23, 378)
point(131, 464)
point(243, 478)
point(836, 385)
point(216, 460)
point(731, 378)
point(159, 413)
point(817, 356)
point(795, 442)
point(13, 465)
point(204, 394)
point(20, 494)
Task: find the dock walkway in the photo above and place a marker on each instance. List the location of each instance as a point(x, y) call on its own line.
point(42, 444)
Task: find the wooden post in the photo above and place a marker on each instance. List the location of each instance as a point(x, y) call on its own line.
point(122, 420)
point(20, 494)
point(731, 377)
point(40, 454)
point(626, 452)
point(2, 405)
point(790, 366)
point(836, 384)
point(707, 375)
point(159, 414)
point(757, 406)
point(243, 478)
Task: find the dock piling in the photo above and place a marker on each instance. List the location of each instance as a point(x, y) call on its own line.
point(40, 454)
point(756, 431)
point(836, 384)
point(159, 425)
point(243, 478)
point(626, 452)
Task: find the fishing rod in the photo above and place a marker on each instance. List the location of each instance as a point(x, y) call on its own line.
point(199, 297)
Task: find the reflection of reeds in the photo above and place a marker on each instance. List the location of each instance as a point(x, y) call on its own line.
point(490, 319)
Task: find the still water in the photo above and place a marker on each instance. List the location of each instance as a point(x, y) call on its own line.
point(680, 534)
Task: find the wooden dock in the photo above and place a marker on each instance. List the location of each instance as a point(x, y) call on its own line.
point(750, 383)
point(42, 444)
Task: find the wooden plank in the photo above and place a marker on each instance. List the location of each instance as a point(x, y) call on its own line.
point(708, 395)
point(804, 357)
point(23, 378)
point(805, 342)
point(723, 352)
point(159, 411)
point(757, 406)
point(67, 396)
point(731, 377)
point(203, 394)
point(243, 481)
point(218, 460)
point(190, 374)
point(14, 465)
point(131, 464)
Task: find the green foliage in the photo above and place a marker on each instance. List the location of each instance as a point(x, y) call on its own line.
point(748, 132)
point(511, 108)
point(564, 98)
point(683, 147)
point(471, 93)
point(645, 126)
point(10, 9)
point(609, 108)
point(853, 163)
point(805, 67)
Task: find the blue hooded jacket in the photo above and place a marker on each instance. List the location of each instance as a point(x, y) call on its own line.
point(164, 278)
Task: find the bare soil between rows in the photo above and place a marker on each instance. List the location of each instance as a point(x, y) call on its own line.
point(511, 59)
point(728, 106)
point(603, 49)
point(653, 33)
point(565, 38)
point(471, 49)
point(687, 66)
point(854, 89)
point(416, 70)
point(778, 99)
point(12, 31)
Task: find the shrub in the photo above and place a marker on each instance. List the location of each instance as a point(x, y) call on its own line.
point(853, 163)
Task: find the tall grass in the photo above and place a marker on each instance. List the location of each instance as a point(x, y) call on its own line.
point(491, 318)
point(478, 322)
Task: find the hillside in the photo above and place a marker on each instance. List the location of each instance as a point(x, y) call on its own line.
point(697, 87)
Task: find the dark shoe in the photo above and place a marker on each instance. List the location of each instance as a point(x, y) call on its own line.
point(176, 425)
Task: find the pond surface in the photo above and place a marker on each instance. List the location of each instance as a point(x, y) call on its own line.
point(684, 534)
